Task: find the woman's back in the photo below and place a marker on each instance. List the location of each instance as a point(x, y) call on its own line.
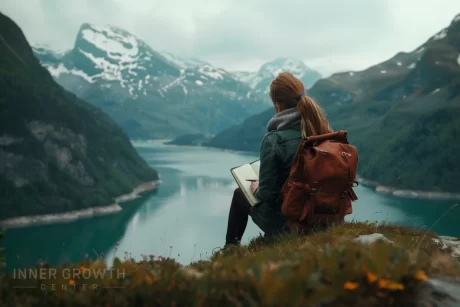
point(297, 116)
point(277, 153)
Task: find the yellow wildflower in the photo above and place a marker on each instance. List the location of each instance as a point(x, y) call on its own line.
point(420, 275)
point(390, 285)
point(371, 277)
point(349, 285)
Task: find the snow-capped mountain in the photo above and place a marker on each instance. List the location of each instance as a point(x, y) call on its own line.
point(149, 93)
point(260, 81)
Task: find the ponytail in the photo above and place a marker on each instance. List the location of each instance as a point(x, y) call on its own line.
point(314, 121)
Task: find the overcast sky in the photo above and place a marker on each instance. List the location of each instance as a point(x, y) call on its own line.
point(328, 35)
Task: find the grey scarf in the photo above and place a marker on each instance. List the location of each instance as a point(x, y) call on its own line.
point(284, 119)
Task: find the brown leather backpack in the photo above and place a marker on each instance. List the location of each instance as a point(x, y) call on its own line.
point(319, 189)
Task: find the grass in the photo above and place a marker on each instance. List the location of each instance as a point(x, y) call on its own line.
point(323, 269)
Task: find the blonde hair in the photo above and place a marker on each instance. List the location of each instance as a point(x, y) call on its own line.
point(289, 92)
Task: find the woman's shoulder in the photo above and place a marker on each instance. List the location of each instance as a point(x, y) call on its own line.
point(271, 136)
point(277, 136)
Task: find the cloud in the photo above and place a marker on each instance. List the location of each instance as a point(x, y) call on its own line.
point(328, 35)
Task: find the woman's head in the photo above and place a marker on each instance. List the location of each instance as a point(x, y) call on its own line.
point(286, 92)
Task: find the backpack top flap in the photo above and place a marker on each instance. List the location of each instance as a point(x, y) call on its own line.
point(340, 136)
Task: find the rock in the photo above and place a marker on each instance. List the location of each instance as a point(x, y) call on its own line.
point(449, 242)
point(190, 272)
point(439, 292)
point(372, 238)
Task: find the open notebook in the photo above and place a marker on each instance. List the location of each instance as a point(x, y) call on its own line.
point(242, 174)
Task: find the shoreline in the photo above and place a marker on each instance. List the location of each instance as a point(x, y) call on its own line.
point(405, 193)
point(71, 216)
point(213, 148)
point(377, 187)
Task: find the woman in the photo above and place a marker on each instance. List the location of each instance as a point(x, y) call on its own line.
point(297, 116)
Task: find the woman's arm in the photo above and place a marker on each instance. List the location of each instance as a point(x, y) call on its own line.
point(269, 171)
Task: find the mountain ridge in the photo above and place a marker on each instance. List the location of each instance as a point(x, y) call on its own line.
point(384, 107)
point(148, 93)
point(58, 153)
point(260, 81)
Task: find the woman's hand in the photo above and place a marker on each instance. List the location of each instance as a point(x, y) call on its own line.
point(254, 186)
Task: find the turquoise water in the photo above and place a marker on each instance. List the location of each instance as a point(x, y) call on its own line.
point(186, 217)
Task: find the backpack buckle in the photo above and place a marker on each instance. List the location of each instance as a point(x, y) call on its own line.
point(313, 190)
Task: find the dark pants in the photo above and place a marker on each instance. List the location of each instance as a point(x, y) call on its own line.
point(269, 220)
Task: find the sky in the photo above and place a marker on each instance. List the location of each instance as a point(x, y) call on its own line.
point(328, 35)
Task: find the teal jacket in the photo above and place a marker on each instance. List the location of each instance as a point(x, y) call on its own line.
point(277, 151)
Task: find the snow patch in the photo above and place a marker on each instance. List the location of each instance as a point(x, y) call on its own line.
point(399, 63)
point(458, 59)
point(57, 71)
point(110, 72)
point(412, 66)
point(442, 34)
point(420, 50)
point(351, 73)
point(184, 88)
point(211, 72)
point(81, 74)
point(198, 82)
point(122, 47)
point(435, 91)
point(173, 83)
point(383, 71)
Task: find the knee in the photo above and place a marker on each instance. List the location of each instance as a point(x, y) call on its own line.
point(239, 195)
point(237, 192)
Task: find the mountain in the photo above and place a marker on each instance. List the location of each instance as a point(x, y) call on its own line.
point(403, 114)
point(57, 152)
point(260, 81)
point(149, 94)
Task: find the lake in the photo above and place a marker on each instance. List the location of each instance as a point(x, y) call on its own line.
point(186, 217)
